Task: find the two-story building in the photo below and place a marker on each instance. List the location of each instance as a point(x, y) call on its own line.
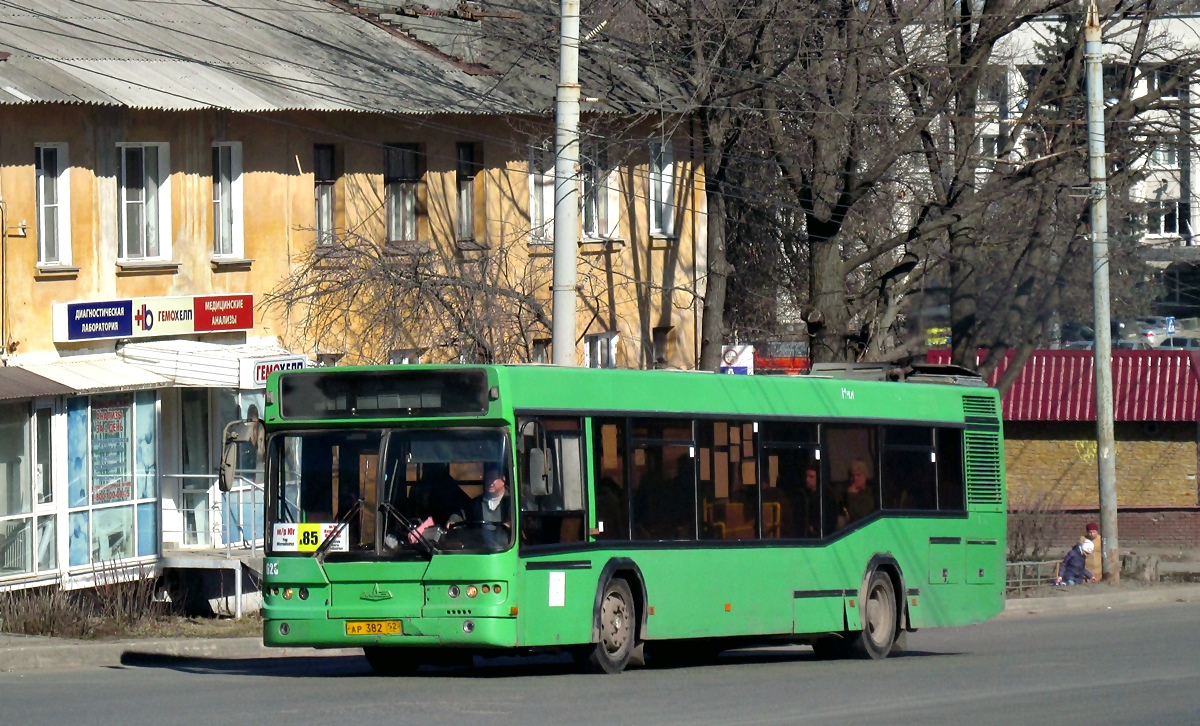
point(167, 169)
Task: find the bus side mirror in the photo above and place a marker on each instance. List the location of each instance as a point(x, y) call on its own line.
point(539, 475)
point(238, 434)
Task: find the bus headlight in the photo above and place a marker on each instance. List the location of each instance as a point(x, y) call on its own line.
point(472, 591)
point(468, 626)
point(453, 591)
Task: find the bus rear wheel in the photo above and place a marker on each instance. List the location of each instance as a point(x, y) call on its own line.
point(617, 629)
point(879, 619)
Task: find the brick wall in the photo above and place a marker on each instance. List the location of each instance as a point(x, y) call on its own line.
point(1167, 527)
point(1052, 464)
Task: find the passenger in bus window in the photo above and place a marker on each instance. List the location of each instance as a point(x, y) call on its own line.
point(808, 505)
point(858, 499)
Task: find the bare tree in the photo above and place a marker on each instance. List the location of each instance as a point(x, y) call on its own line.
point(368, 299)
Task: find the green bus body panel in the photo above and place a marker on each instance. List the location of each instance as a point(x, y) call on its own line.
point(952, 567)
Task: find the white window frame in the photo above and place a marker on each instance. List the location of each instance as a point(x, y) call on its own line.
point(600, 350)
point(467, 169)
point(229, 182)
point(400, 182)
point(662, 189)
point(60, 209)
point(1162, 229)
point(541, 191)
point(161, 205)
point(1165, 155)
point(601, 202)
point(989, 152)
point(324, 195)
point(1159, 76)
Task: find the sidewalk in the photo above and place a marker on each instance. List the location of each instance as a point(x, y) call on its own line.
point(28, 652)
point(33, 652)
point(1099, 596)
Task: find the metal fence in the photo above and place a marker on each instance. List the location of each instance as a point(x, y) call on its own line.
point(1022, 576)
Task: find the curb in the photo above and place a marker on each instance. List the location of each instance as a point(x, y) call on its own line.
point(1069, 602)
point(26, 653)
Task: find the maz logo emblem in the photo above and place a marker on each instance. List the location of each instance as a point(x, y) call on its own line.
point(375, 594)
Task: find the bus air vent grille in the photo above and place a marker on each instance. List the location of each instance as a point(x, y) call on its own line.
point(984, 481)
point(979, 406)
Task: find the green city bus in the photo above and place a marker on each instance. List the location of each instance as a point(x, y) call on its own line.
point(430, 513)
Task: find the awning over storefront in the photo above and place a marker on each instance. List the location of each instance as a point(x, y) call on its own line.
point(196, 363)
point(102, 374)
point(19, 383)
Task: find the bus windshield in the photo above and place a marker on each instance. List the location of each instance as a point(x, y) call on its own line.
point(390, 492)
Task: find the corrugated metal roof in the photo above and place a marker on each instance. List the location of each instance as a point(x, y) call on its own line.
point(242, 55)
point(1060, 385)
point(518, 41)
point(99, 375)
point(19, 383)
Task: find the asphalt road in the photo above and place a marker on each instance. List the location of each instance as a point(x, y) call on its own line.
point(1134, 666)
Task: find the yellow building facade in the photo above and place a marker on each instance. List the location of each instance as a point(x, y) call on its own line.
point(160, 258)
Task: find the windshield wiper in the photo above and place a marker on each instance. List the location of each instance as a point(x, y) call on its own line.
point(344, 522)
point(410, 529)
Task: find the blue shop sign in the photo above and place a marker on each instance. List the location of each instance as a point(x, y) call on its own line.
point(109, 319)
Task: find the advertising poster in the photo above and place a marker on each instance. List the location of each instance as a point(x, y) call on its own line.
point(112, 460)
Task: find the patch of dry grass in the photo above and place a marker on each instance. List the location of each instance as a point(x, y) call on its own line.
point(124, 604)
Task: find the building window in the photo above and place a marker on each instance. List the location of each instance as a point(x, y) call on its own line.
point(227, 200)
point(662, 189)
point(541, 350)
point(599, 204)
point(993, 86)
point(145, 202)
point(1167, 217)
point(53, 192)
point(662, 345)
point(112, 478)
point(989, 151)
point(600, 350)
point(467, 168)
point(324, 181)
point(401, 175)
point(541, 190)
point(1165, 155)
point(1165, 80)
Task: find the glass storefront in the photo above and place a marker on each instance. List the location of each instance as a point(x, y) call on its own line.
point(237, 515)
point(112, 477)
point(16, 491)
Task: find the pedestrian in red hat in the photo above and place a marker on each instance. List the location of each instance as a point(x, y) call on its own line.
point(1094, 560)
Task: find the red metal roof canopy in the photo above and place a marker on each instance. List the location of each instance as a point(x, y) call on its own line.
point(1060, 385)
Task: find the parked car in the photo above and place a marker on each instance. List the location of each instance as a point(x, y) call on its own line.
point(1128, 344)
point(1152, 329)
point(1131, 344)
point(1180, 342)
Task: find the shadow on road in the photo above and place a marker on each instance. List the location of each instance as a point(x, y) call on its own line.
point(499, 667)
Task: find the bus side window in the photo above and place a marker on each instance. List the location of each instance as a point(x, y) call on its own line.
point(950, 478)
point(612, 502)
point(551, 480)
point(909, 473)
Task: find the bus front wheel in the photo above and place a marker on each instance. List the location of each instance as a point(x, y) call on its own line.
point(879, 619)
point(617, 629)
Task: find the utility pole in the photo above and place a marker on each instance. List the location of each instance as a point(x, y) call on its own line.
point(566, 189)
point(1102, 349)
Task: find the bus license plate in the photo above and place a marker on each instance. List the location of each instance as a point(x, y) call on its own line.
point(372, 627)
